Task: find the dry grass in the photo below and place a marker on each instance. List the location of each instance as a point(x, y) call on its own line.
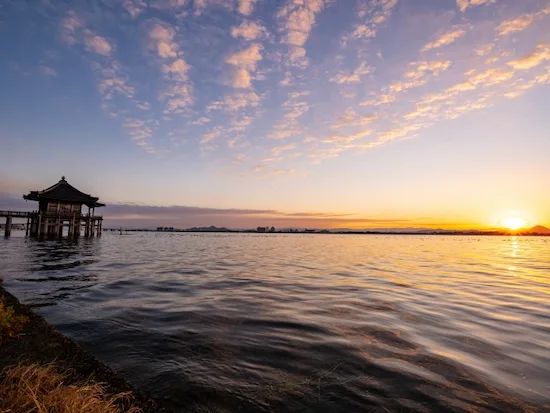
point(41, 389)
point(10, 323)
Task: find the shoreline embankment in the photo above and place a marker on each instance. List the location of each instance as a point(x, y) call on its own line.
point(39, 343)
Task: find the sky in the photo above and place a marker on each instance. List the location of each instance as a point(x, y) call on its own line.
point(305, 113)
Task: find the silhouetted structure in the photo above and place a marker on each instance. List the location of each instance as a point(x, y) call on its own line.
point(59, 206)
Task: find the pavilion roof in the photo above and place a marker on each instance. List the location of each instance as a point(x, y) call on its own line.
point(63, 191)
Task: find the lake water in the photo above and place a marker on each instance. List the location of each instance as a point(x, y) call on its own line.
point(309, 323)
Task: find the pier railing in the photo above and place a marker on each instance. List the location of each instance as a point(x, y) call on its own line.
point(65, 215)
point(16, 214)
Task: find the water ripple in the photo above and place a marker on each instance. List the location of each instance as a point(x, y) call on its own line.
point(225, 322)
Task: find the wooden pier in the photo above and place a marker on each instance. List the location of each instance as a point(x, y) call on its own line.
point(59, 214)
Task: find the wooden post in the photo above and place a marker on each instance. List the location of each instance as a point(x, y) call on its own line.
point(27, 227)
point(7, 230)
point(39, 227)
point(34, 223)
point(72, 227)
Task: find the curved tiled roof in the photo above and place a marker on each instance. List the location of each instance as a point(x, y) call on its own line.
point(63, 191)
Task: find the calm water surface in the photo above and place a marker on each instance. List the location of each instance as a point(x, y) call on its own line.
point(336, 323)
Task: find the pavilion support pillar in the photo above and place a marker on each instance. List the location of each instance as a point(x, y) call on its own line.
point(59, 227)
point(87, 227)
point(34, 225)
point(72, 228)
point(7, 230)
point(39, 227)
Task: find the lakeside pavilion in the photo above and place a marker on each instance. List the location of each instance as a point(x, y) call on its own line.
point(59, 207)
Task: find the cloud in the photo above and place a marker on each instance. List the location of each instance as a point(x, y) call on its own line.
point(445, 39)
point(383, 99)
point(420, 69)
point(239, 125)
point(277, 172)
point(246, 58)
point(98, 44)
point(213, 134)
point(346, 139)
point(245, 61)
point(177, 69)
point(201, 121)
point(353, 77)
point(162, 38)
point(485, 50)
point(298, 19)
point(287, 80)
point(112, 81)
point(350, 118)
point(134, 7)
point(246, 7)
point(285, 130)
point(276, 151)
point(70, 25)
point(249, 30)
point(200, 5)
point(296, 110)
point(463, 5)
point(178, 98)
point(235, 102)
point(47, 71)
point(143, 105)
point(362, 30)
point(374, 14)
point(178, 92)
point(540, 55)
point(516, 25)
point(128, 215)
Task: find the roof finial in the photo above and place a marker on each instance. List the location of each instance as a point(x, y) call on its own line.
point(63, 178)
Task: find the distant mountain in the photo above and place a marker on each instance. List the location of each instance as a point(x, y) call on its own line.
point(539, 229)
point(211, 228)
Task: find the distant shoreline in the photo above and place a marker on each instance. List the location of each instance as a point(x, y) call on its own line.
point(327, 232)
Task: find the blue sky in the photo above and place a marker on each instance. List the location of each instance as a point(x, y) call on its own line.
point(430, 111)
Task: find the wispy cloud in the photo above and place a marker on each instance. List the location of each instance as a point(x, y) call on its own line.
point(98, 44)
point(354, 76)
point(298, 19)
point(539, 55)
point(296, 81)
point(516, 25)
point(246, 7)
point(445, 39)
point(249, 30)
point(463, 5)
point(245, 62)
point(47, 71)
point(178, 92)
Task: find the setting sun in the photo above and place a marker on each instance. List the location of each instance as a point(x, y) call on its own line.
point(513, 223)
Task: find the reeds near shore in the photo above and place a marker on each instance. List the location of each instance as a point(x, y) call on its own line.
point(35, 388)
point(10, 323)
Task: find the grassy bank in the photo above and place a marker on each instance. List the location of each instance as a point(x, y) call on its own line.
point(44, 371)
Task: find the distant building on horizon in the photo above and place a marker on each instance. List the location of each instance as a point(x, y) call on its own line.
point(265, 229)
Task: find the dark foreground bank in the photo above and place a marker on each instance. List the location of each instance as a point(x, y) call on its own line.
point(40, 343)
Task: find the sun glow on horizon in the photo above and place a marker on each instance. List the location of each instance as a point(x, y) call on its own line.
point(513, 222)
